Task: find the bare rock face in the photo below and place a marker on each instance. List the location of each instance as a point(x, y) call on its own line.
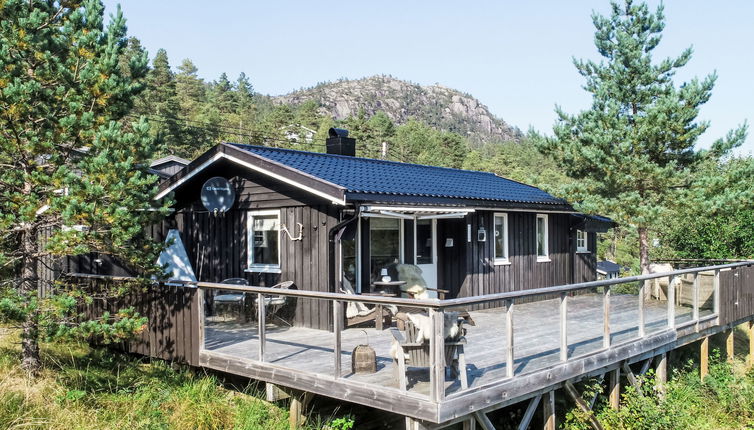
point(441, 107)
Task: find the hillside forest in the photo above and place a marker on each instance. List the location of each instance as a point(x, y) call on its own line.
point(189, 114)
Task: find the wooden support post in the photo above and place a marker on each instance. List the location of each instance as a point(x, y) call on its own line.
point(563, 326)
point(337, 324)
point(661, 374)
point(671, 301)
point(484, 421)
point(299, 402)
point(730, 342)
point(645, 366)
point(606, 318)
point(642, 293)
point(437, 356)
point(704, 358)
point(261, 323)
point(202, 315)
point(632, 378)
point(470, 424)
point(509, 357)
point(576, 397)
point(273, 393)
point(597, 393)
point(614, 388)
point(529, 414)
point(548, 409)
point(750, 332)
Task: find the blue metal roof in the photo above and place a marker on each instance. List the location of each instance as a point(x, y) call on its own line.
point(372, 176)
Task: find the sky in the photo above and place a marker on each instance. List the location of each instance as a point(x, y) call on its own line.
point(514, 56)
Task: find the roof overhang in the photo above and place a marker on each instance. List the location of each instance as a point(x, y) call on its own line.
point(414, 212)
point(593, 223)
point(257, 164)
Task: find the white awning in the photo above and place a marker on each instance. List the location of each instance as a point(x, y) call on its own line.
point(415, 212)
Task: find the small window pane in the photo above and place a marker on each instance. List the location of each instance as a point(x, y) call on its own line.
point(500, 237)
point(424, 246)
point(384, 244)
point(265, 239)
point(581, 244)
point(541, 236)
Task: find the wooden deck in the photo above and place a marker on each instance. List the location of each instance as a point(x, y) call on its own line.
point(536, 341)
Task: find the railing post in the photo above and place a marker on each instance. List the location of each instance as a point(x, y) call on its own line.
point(695, 304)
point(509, 338)
point(671, 301)
point(437, 356)
point(261, 314)
point(202, 316)
point(606, 318)
point(563, 326)
point(716, 296)
point(642, 293)
point(337, 322)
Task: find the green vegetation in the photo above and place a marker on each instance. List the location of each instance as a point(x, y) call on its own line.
point(725, 400)
point(632, 154)
point(74, 176)
point(86, 388)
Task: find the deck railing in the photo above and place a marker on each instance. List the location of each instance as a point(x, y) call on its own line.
point(503, 321)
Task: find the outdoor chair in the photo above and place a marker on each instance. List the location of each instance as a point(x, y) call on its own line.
point(232, 299)
point(277, 307)
point(358, 313)
point(412, 351)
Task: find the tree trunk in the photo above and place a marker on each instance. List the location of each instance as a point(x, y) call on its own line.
point(30, 360)
point(644, 250)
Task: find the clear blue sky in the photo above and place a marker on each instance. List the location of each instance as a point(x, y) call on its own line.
point(514, 56)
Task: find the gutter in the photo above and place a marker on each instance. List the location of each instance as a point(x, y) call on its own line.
point(331, 234)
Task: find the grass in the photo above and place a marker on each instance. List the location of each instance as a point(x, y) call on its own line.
point(85, 388)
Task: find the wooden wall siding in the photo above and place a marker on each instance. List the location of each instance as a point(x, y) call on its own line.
point(736, 294)
point(524, 272)
point(585, 264)
point(217, 245)
point(173, 329)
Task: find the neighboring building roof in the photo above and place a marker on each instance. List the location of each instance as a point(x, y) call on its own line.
point(607, 266)
point(368, 179)
point(168, 159)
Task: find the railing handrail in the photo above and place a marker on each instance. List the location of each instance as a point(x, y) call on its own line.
point(431, 303)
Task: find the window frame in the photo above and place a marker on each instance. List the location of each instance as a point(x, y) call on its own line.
point(546, 244)
point(260, 268)
point(505, 258)
point(582, 249)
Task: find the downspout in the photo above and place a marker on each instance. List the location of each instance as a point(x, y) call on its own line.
point(331, 247)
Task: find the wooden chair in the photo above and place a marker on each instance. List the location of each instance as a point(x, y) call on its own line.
point(414, 352)
point(358, 313)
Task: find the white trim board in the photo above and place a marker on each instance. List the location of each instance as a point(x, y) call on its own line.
point(334, 199)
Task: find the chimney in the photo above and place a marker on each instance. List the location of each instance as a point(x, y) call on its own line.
point(339, 143)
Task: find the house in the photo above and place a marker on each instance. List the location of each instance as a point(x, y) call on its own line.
point(607, 269)
point(167, 166)
point(319, 218)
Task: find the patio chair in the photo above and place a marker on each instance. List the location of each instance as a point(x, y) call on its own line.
point(412, 351)
point(358, 313)
point(232, 299)
point(277, 306)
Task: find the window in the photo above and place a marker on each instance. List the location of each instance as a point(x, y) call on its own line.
point(264, 241)
point(501, 238)
point(424, 246)
point(581, 241)
point(384, 244)
point(543, 251)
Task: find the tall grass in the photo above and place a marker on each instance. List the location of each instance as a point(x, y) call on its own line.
point(84, 388)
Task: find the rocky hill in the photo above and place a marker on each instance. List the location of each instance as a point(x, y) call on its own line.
point(441, 107)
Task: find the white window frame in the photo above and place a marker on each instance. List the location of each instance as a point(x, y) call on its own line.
point(501, 260)
point(260, 268)
point(585, 247)
point(546, 256)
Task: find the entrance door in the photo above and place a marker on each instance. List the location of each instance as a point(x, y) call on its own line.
point(426, 252)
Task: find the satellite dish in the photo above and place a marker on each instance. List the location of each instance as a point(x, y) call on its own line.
point(218, 195)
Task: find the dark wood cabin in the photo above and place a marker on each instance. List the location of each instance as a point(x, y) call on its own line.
point(318, 218)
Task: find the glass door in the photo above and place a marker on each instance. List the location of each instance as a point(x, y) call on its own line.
point(426, 252)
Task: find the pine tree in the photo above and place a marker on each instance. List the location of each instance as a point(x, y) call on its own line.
point(159, 101)
point(69, 166)
point(633, 152)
